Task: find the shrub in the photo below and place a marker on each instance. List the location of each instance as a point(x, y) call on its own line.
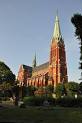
point(63, 102)
point(33, 101)
point(60, 90)
point(37, 100)
point(51, 100)
point(69, 102)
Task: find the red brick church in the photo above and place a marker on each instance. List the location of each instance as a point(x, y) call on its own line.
point(52, 72)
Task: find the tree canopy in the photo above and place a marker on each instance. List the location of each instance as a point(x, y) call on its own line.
point(67, 89)
point(6, 74)
point(77, 22)
point(60, 90)
point(73, 86)
point(80, 87)
point(50, 88)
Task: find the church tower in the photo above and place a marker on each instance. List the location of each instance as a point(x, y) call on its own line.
point(57, 63)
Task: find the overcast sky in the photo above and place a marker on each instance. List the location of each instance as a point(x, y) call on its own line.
point(26, 27)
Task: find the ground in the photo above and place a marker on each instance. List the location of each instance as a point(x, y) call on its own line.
point(41, 115)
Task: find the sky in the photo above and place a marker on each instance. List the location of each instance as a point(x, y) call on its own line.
point(26, 27)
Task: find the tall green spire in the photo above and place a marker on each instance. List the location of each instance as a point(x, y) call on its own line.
point(57, 31)
point(34, 61)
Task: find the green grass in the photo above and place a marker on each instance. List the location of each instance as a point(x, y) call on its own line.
point(42, 115)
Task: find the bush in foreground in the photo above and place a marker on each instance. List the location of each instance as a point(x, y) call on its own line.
point(63, 102)
point(38, 101)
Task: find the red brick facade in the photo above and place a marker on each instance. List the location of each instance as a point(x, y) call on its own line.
point(52, 72)
point(58, 66)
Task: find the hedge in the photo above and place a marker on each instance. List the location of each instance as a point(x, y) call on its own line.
point(64, 102)
point(37, 101)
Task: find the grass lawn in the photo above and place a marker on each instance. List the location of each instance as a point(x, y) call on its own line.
point(41, 115)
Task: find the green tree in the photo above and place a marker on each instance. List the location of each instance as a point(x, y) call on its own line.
point(24, 91)
point(77, 22)
point(80, 87)
point(7, 79)
point(60, 90)
point(50, 88)
point(31, 90)
point(6, 74)
point(6, 89)
point(72, 88)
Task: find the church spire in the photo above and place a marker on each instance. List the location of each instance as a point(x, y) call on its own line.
point(57, 31)
point(34, 61)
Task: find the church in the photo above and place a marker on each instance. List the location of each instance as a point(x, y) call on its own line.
point(52, 72)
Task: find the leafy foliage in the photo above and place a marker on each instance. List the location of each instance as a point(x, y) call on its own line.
point(37, 100)
point(50, 88)
point(7, 80)
point(6, 74)
point(63, 102)
point(80, 87)
point(72, 88)
point(31, 90)
point(77, 22)
point(33, 101)
point(60, 90)
point(69, 102)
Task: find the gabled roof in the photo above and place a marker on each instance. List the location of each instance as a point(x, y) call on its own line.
point(40, 67)
point(27, 67)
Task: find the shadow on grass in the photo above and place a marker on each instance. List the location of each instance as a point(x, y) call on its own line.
point(7, 122)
